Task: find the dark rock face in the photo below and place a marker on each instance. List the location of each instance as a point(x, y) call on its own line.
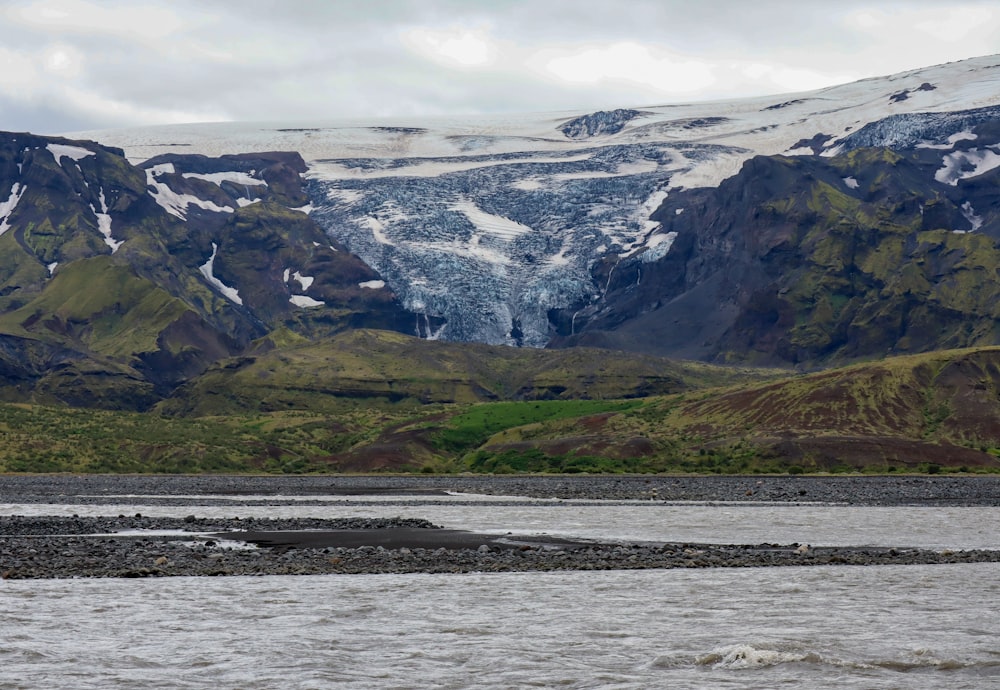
point(820, 259)
point(118, 283)
point(601, 122)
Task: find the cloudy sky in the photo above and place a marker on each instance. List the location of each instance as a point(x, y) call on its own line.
point(70, 65)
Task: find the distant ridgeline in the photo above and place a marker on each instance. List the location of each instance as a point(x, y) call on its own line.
point(839, 225)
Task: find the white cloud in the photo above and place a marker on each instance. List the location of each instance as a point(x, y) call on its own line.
point(782, 78)
point(956, 24)
point(63, 61)
point(644, 65)
point(69, 65)
point(453, 45)
point(145, 20)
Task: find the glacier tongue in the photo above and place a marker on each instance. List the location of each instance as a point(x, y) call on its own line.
point(491, 243)
point(486, 223)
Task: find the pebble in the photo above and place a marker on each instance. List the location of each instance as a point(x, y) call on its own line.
point(63, 547)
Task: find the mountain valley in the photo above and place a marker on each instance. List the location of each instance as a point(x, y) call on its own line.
point(401, 274)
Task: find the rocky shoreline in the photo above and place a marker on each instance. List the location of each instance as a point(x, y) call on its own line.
point(108, 547)
point(134, 545)
point(883, 490)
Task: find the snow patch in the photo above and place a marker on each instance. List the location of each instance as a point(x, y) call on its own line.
point(372, 284)
point(970, 215)
point(104, 224)
point(60, 151)
point(230, 176)
point(658, 247)
point(177, 204)
point(950, 141)
point(306, 302)
point(7, 207)
point(243, 202)
point(307, 209)
point(304, 281)
point(678, 211)
point(229, 293)
point(52, 267)
point(286, 275)
point(961, 165)
point(850, 183)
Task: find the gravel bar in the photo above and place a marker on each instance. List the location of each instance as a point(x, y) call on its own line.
point(141, 546)
point(47, 547)
point(981, 490)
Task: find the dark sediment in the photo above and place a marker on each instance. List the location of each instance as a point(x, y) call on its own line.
point(48, 546)
point(982, 490)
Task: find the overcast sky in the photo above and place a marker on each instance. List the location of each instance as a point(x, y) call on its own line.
point(70, 65)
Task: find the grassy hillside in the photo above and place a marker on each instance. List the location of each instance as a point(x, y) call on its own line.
point(391, 367)
point(925, 413)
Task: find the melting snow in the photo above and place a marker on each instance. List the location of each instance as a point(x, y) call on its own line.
point(287, 274)
point(52, 267)
point(58, 151)
point(970, 215)
point(304, 301)
point(962, 165)
point(104, 224)
point(242, 202)
point(951, 141)
point(7, 207)
point(173, 203)
point(304, 281)
point(307, 209)
point(372, 284)
point(851, 182)
point(229, 293)
point(658, 247)
point(231, 176)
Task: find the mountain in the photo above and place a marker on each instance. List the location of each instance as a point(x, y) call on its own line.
point(117, 283)
point(198, 267)
point(628, 228)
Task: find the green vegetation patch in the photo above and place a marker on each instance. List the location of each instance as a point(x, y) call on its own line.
point(471, 429)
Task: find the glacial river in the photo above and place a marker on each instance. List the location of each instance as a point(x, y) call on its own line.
point(842, 626)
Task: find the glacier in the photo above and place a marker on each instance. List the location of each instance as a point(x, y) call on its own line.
point(487, 224)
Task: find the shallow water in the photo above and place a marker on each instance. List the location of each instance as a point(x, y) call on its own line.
point(853, 627)
point(816, 524)
point(845, 626)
